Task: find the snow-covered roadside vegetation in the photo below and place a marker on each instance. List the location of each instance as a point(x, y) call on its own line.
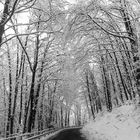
point(122, 123)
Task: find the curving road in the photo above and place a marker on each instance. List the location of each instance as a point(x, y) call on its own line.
point(68, 134)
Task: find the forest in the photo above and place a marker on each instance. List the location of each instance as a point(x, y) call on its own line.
point(64, 61)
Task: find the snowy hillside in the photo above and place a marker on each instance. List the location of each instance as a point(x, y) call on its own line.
point(122, 123)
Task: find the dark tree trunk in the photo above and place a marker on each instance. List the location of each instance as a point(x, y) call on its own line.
point(21, 91)
point(16, 91)
point(26, 106)
point(89, 95)
point(31, 105)
point(107, 87)
point(9, 130)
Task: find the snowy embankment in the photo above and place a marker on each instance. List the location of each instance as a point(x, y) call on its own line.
point(122, 123)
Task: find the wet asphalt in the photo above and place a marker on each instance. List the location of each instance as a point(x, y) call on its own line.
point(68, 134)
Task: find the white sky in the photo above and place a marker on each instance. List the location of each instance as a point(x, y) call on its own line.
point(71, 1)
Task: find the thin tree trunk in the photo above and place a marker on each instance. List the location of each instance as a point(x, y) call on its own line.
point(16, 92)
point(21, 90)
point(5, 113)
point(9, 130)
point(31, 104)
point(89, 95)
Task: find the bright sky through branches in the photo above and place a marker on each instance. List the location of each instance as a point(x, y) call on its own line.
point(71, 1)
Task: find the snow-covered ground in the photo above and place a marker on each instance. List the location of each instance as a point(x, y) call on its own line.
point(123, 123)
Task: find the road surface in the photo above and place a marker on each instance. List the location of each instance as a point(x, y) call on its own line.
point(68, 134)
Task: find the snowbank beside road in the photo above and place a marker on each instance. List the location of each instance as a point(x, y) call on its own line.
point(122, 123)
